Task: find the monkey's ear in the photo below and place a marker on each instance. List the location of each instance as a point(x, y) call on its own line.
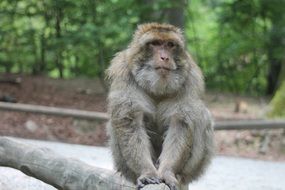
point(119, 67)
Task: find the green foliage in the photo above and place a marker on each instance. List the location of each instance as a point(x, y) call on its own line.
point(230, 43)
point(236, 42)
point(78, 36)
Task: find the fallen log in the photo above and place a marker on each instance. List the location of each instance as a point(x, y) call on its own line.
point(60, 172)
point(250, 124)
point(47, 110)
point(91, 115)
point(15, 81)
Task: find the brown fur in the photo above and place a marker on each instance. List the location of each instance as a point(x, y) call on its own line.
point(159, 127)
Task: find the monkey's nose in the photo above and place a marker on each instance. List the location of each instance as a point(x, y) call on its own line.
point(164, 58)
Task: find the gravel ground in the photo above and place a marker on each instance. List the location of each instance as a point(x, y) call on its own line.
point(224, 173)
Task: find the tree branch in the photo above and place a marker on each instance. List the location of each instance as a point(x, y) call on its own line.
point(60, 172)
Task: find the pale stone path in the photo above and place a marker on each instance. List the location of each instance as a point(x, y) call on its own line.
point(225, 173)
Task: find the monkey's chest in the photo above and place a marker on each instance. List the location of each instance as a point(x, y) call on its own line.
point(156, 136)
point(156, 131)
point(156, 126)
point(157, 123)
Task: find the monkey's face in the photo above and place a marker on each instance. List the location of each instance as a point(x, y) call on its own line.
point(159, 67)
point(162, 57)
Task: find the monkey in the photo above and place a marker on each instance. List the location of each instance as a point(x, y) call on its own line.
point(160, 130)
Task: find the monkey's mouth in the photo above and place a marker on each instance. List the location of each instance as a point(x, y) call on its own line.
point(163, 71)
point(162, 68)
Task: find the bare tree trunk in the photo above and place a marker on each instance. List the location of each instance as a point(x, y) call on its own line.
point(58, 58)
point(175, 14)
point(100, 46)
point(8, 66)
point(273, 72)
point(42, 63)
point(60, 172)
point(35, 66)
point(276, 49)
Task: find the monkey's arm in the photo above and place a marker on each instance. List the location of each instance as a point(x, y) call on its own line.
point(176, 148)
point(185, 144)
point(133, 147)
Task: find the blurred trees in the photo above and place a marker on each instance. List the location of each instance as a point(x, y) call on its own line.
point(239, 44)
point(275, 12)
point(63, 38)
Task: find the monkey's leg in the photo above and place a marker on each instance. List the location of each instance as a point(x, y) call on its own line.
point(175, 151)
point(135, 148)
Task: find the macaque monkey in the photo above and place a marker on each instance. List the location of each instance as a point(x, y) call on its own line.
point(160, 130)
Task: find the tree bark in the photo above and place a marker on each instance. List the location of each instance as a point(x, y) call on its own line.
point(175, 14)
point(58, 58)
point(62, 112)
point(90, 115)
point(275, 63)
point(60, 172)
point(42, 63)
point(276, 46)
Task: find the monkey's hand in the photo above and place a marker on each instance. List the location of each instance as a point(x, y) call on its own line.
point(169, 179)
point(147, 178)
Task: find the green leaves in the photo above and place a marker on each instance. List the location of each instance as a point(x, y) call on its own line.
point(232, 41)
point(235, 42)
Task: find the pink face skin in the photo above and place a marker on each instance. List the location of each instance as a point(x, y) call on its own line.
point(163, 56)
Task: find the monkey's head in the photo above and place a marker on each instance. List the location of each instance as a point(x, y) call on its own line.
point(159, 62)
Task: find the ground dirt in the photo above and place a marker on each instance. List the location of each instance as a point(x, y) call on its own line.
point(89, 94)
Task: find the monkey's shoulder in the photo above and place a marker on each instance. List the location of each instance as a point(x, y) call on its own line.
point(191, 112)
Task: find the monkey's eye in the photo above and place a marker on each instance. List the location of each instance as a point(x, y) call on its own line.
point(170, 44)
point(155, 43)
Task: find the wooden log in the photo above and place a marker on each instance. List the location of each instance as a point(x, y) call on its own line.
point(90, 115)
point(63, 112)
point(60, 172)
point(16, 80)
point(250, 124)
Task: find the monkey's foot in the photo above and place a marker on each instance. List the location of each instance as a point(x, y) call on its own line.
point(143, 181)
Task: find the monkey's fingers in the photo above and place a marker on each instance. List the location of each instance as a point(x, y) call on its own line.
point(141, 182)
point(140, 186)
point(150, 180)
